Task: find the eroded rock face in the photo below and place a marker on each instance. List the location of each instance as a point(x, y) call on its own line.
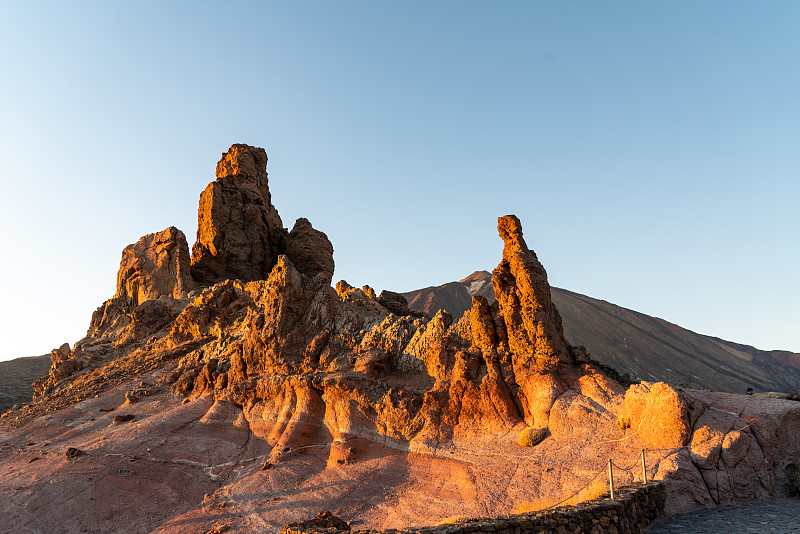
point(239, 231)
point(312, 385)
point(310, 251)
point(528, 324)
point(157, 265)
point(523, 293)
point(153, 285)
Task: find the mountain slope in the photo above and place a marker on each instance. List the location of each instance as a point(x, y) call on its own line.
point(642, 346)
point(16, 376)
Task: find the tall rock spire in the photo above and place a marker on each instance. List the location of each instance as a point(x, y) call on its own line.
point(533, 325)
point(239, 231)
point(523, 293)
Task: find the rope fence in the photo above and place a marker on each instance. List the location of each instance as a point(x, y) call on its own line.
point(639, 466)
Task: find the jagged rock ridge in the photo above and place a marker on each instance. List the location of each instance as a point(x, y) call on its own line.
point(239, 236)
point(638, 345)
point(285, 388)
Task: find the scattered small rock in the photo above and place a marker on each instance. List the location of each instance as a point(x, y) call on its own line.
point(322, 520)
point(72, 452)
point(123, 418)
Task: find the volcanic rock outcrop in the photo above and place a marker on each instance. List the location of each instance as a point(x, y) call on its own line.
point(157, 265)
point(638, 346)
point(268, 395)
point(240, 236)
point(310, 251)
point(239, 232)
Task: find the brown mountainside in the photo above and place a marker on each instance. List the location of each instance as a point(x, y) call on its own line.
point(16, 376)
point(633, 343)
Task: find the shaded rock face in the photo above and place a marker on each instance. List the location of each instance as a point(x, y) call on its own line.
point(239, 231)
point(323, 520)
point(310, 251)
point(394, 302)
point(452, 297)
point(157, 265)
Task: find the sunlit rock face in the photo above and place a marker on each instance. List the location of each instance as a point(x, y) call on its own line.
point(155, 266)
point(267, 377)
point(523, 293)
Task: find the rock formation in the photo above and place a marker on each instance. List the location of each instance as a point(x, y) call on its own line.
point(240, 236)
point(520, 285)
point(269, 395)
point(239, 231)
point(158, 265)
point(310, 251)
point(638, 346)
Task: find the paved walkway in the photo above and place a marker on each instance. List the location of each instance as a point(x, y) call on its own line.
point(777, 516)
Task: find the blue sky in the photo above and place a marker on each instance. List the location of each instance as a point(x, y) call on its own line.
point(650, 149)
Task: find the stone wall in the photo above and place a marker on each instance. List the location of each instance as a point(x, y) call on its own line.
point(633, 509)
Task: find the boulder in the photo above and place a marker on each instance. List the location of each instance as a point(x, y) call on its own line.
point(323, 520)
point(394, 302)
point(658, 413)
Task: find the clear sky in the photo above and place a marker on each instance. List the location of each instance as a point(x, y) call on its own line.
point(649, 148)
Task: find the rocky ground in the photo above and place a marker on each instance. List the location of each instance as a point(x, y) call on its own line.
point(233, 389)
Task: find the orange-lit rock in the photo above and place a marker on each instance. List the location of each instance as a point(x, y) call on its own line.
point(658, 413)
point(535, 334)
point(264, 400)
point(157, 265)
